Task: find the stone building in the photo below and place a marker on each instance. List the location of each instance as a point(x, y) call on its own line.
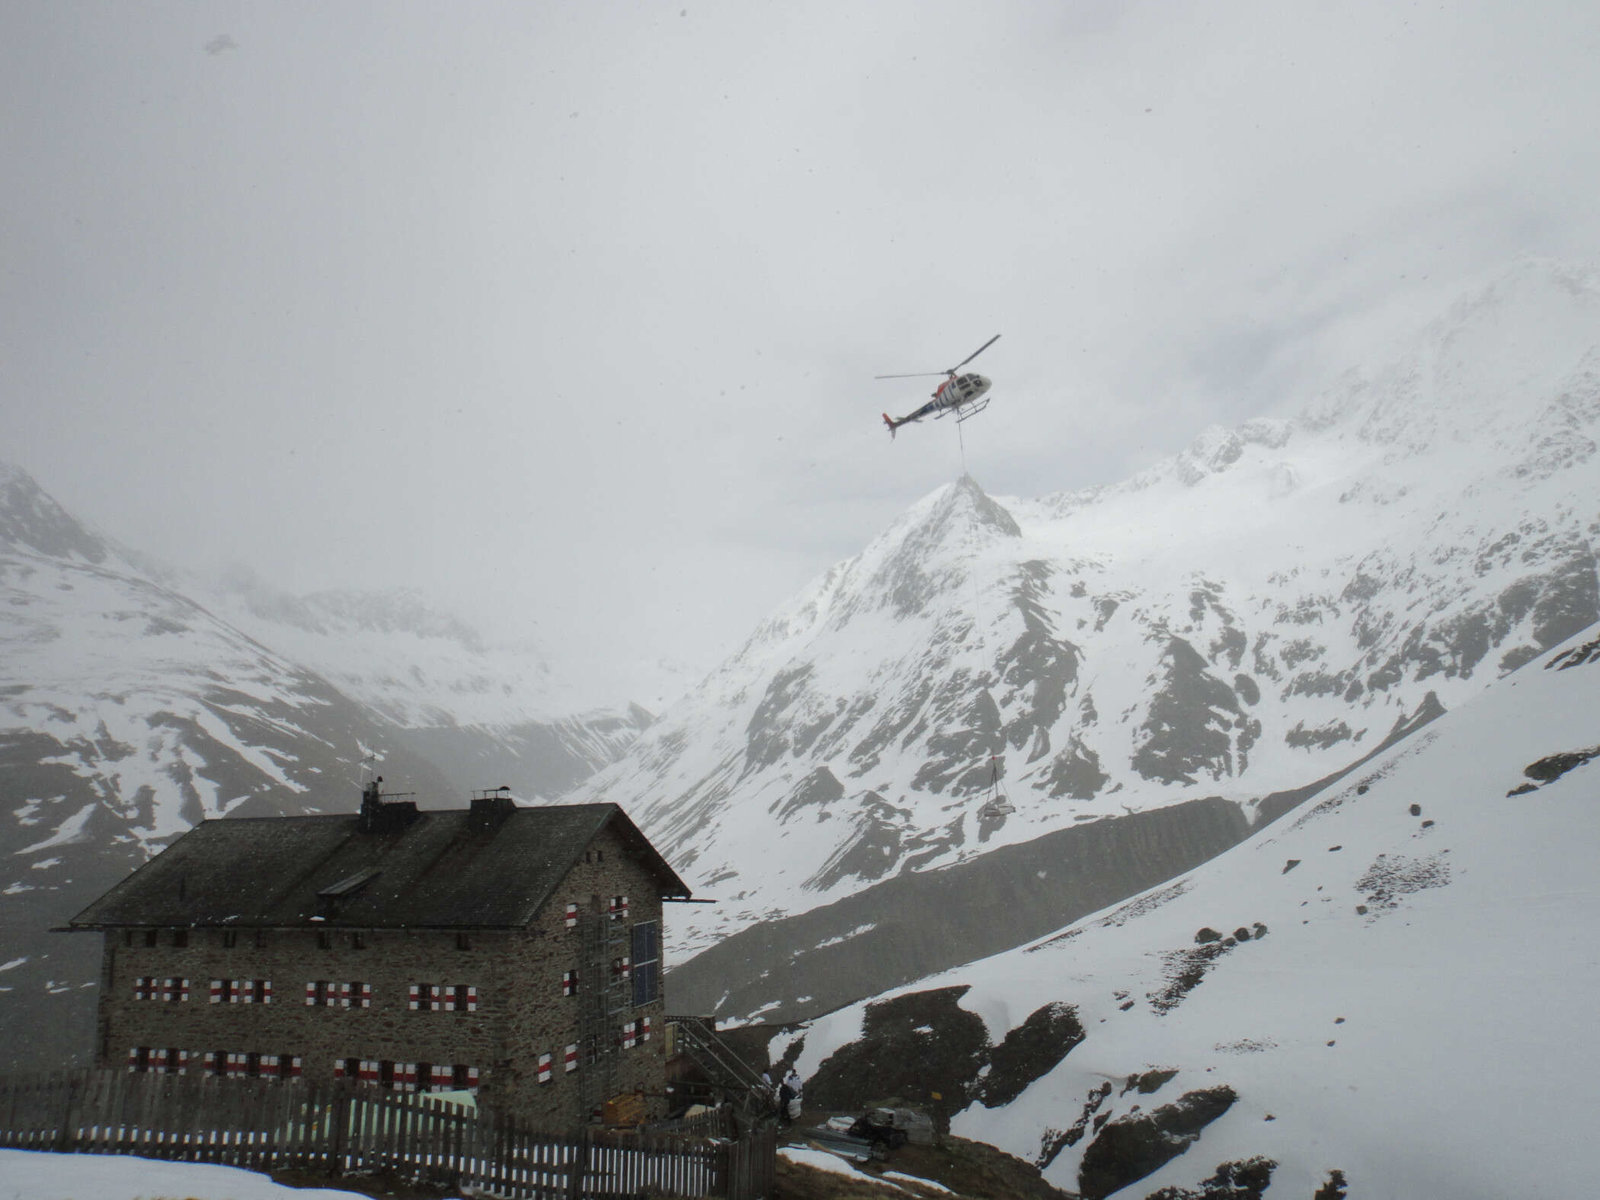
point(512, 951)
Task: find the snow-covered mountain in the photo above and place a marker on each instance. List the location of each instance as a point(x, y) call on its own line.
point(1250, 616)
point(1392, 989)
point(128, 711)
point(490, 711)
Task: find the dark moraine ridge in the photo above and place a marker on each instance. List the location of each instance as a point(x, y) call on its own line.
point(926, 922)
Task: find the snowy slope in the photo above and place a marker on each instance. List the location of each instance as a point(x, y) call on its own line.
point(1252, 615)
point(127, 713)
point(1412, 1002)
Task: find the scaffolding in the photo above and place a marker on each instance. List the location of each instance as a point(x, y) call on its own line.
point(604, 993)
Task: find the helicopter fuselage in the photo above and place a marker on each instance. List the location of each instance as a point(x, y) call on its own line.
point(962, 389)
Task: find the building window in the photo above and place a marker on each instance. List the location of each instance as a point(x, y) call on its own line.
point(324, 939)
point(150, 936)
point(463, 941)
point(358, 941)
point(230, 938)
point(619, 908)
point(180, 938)
point(646, 962)
point(442, 997)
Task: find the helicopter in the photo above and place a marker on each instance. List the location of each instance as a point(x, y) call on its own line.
point(963, 395)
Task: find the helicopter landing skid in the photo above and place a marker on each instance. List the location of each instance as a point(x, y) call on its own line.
point(971, 412)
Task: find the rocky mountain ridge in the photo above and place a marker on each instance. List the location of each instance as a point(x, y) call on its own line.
point(1250, 616)
point(1412, 952)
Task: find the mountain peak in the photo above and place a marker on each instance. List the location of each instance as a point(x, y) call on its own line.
point(30, 519)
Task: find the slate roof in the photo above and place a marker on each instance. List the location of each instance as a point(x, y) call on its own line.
point(443, 871)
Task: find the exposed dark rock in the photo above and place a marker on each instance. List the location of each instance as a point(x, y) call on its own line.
point(1192, 722)
point(1076, 774)
point(1416, 810)
point(1185, 969)
point(1522, 789)
point(1029, 1052)
point(1290, 865)
point(817, 791)
point(1207, 934)
point(1148, 1083)
point(1333, 1189)
point(1128, 1149)
point(1244, 1180)
point(910, 1047)
point(1327, 735)
point(1556, 765)
point(1589, 652)
point(1394, 875)
point(1053, 1141)
point(1241, 934)
point(874, 848)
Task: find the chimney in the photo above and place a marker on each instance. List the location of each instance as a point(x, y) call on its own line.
point(491, 807)
point(385, 813)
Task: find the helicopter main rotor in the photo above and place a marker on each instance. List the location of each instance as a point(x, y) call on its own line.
point(951, 372)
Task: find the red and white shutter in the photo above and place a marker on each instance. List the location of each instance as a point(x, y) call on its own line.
point(630, 1035)
point(472, 1078)
point(269, 1066)
point(644, 1029)
point(544, 1068)
point(216, 991)
point(366, 995)
point(569, 983)
point(407, 1075)
point(472, 998)
point(169, 989)
point(133, 1058)
point(338, 1069)
point(572, 1057)
point(311, 993)
point(183, 991)
point(572, 915)
point(441, 997)
point(289, 1066)
point(236, 1065)
point(183, 1062)
point(414, 996)
point(627, 967)
point(264, 991)
point(369, 1070)
point(245, 989)
point(444, 1077)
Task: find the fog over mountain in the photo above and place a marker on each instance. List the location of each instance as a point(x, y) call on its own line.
point(129, 711)
point(1230, 626)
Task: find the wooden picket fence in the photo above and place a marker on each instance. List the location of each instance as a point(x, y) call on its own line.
point(344, 1129)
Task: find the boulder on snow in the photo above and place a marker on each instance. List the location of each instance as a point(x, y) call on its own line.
point(1130, 1148)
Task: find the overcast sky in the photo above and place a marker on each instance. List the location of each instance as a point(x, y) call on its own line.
point(568, 313)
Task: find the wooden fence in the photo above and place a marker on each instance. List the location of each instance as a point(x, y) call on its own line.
point(344, 1128)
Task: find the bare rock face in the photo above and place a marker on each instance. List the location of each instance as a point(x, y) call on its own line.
point(911, 1047)
point(1130, 1148)
point(925, 1048)
point(1029, 1052)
